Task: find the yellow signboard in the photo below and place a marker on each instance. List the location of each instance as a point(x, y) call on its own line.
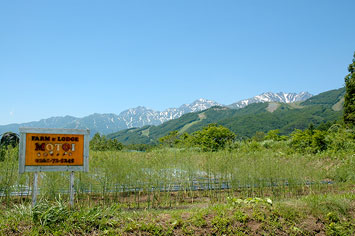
point(45, 149)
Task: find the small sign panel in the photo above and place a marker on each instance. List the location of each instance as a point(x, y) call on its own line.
point(53, 150)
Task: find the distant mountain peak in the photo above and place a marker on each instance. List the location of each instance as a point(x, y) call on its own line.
point(202, 100)
point(272, 97)
point(198, 105)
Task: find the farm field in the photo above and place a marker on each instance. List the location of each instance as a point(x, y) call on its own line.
point(251, 190)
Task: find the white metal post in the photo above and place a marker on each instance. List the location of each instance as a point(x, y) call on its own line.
point(72, 188)
point(34, 188)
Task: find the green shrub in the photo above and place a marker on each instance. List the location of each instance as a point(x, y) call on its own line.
point(221, 225)
point(309, 141)
point(340, 139)
point(241, 217)
point(50, 214)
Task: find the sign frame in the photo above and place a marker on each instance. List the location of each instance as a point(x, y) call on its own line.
point(22, 151)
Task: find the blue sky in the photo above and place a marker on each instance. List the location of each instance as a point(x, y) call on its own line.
point(80, 57)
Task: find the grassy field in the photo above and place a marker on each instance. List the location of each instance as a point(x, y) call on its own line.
point(251, 190)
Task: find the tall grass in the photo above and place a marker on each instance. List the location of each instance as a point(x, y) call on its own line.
point(10, 180)
point(166, 177)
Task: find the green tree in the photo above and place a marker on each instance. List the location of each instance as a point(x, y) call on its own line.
point(340, 138)
point(213, 137)
point(309, 140)
point(301, 140)
point(319, 143)
point(113, 145)
point(101, 143)
point(96, 143)
point(9, 138)
point(171, 139)
point(273, 135)
point(349, 98)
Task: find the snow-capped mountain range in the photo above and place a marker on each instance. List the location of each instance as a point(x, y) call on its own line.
point(141, 116)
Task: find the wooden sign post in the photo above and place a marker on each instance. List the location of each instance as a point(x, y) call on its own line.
point(53, 150)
